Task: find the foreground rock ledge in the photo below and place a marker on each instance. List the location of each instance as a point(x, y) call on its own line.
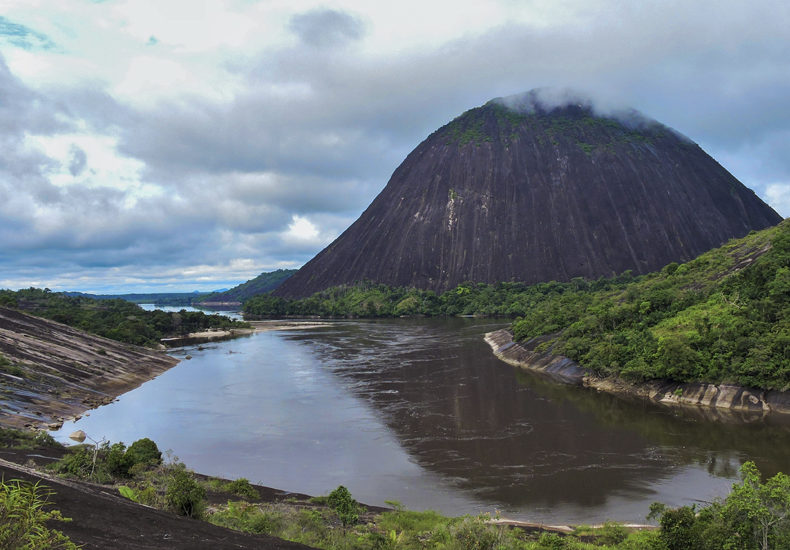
point(719, 399)
point(58, 372)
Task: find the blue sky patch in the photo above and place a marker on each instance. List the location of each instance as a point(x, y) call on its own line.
point(22, 36)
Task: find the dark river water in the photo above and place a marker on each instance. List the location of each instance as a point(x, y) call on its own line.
point(421, 412)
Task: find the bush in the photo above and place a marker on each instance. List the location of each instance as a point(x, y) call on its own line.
point(105, 462)
point(755, 515)
point(241, 487)
point(242, 516)
point(23, 518)
point(347, 509)
point(116, 461)
point(144, 451)
point(78, 462)
point(183, 494)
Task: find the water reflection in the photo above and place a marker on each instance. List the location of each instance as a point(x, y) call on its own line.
point(231, 313)
point(517, 439)
point(420, 411)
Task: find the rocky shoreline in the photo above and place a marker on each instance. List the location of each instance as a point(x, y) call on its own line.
point(58, 372)
point(717, 401)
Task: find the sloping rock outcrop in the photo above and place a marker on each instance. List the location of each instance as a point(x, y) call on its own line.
point(53, 371)
point(518, 189)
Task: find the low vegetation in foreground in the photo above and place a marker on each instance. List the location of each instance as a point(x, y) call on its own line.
point(24, 518)
point(755, 515)
point(116, 319)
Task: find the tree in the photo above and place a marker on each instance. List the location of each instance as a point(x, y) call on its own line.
point(760, 510)
point(754, 516)
point(347, 509)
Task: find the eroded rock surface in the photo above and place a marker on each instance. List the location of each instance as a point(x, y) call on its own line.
point(57, 371)
point(538, 194)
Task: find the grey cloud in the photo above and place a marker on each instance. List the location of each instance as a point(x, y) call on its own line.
point(234, 173)
point(77, 160)
point(326, 27)
point(355, 119)
point(24, 110)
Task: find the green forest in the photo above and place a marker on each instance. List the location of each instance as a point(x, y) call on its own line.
point(116, 319)
point(722, 317)
point(158, 298)
point(265, 282)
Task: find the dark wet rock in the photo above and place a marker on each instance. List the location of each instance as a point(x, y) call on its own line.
point(538, 194)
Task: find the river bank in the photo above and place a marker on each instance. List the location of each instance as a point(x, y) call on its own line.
point(218, 335)
point(713, 401)
point(101, 517)
point(56, 373)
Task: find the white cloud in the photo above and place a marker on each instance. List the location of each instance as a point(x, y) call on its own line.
point(778, 195)
point(143, 140)
point(304, 234)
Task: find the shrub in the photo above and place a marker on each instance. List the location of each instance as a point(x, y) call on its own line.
point(755, 514)
point(475, 534)
point(249, 518)
point(116, 460)
point(553, 541)
point(347, 509)
point(23, 518)
point(183, 494)
point(144, 451)
point(78, 462)
point(241, 487)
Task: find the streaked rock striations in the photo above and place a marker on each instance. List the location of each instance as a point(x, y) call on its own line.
point(58, 371)
point(519, 190)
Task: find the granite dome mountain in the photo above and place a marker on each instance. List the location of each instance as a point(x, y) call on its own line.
point(522, 190)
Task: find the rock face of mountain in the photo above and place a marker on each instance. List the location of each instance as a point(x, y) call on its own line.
point(517, 190)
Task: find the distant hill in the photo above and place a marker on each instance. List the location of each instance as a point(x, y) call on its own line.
point(116, 319)
point(158, 298)
point(520, 189)
point(263, 283)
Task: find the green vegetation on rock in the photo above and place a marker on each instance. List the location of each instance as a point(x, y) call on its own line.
point(265, 282)
point(24, 518)
point(723, 317)
point(116, 319)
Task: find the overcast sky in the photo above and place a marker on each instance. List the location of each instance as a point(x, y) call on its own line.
point(179, 145)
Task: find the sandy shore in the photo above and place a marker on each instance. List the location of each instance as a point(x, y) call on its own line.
point(214, 335)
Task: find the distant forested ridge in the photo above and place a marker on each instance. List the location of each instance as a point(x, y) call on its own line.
point(722, 317)
point(157, 298)
point(263, 283)
point(370, 300)
point(112, 318)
